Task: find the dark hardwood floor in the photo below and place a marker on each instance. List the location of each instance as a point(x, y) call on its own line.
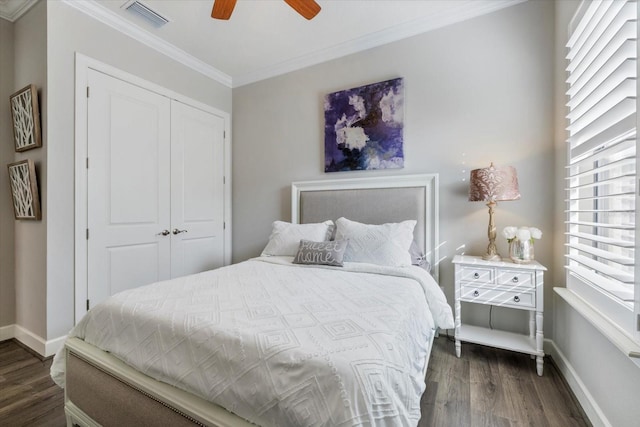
point(485, 387)
point(492, 387)
point(28, 396)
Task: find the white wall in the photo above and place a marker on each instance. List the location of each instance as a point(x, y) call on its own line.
point(30, 50)
point(7, 288)
point(611, 380)
point(68, 31)
point(475, 92)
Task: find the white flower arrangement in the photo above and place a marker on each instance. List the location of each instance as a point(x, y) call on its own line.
point(521, 233)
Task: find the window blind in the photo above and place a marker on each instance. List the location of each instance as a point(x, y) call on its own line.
point(601, 176)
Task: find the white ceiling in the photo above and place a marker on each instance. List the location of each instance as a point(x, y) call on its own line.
point(265, 38)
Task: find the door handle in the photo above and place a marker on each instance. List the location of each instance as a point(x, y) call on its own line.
point(176, 231)
point(163, 233)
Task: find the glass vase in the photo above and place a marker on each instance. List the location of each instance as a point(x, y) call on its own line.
point(521, 251)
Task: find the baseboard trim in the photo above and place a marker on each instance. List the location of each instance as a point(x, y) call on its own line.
point(31, 340)
point(579, 389)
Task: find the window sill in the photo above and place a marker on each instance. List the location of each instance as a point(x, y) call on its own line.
point(610, 330)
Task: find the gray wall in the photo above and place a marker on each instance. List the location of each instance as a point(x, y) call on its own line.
point(7, 288)
point(475, 92)
point(30, 49)
point(611, 378)
point(69, 31)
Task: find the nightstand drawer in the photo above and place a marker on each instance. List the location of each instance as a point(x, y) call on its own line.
point(476, 274)
point(513, 299)
point(515, 278)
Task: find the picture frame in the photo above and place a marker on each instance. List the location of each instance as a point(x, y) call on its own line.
point(24, 190)
point(25, 116)
point(364, 127)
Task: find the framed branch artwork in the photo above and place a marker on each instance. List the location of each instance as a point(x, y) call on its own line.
point(25, 114)
point(24, 189)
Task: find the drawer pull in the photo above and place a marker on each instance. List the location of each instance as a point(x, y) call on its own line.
point(476, 293)
point(516, 298)
point(515, 279)
point(476, 276)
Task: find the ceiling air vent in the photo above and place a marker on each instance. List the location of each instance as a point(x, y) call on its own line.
point(145, 12)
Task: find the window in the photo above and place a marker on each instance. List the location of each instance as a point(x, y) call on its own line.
point(601, 170)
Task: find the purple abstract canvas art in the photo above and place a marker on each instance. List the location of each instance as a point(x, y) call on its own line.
point(363, 127)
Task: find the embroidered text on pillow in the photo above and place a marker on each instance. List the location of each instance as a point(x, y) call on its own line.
point(324, 253)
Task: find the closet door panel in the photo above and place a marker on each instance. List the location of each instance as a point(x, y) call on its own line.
point(128, 181)
point(133, 147)
point(197, 190)
point(131, 266)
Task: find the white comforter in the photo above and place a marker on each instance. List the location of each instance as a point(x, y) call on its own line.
point(281, 344)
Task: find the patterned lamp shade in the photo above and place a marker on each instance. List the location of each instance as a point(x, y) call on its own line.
point(494, 184)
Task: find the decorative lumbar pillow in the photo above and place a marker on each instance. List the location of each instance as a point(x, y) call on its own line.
point(418, 257)
point(285, 236)
point(386, 244)
point(323, 253)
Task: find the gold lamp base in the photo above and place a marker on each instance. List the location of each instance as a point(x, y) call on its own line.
point(492, 250)
point(491, 257)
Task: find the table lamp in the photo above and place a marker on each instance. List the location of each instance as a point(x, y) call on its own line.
point(492, 185)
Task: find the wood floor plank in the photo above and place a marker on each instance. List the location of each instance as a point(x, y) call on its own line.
point(428, 404)
point(453, 398)
point(47, 410)
point(17, 365)
point(486, 387)
point(485, 382)
point(12, 393)
point(487, 419)
point(9, 355)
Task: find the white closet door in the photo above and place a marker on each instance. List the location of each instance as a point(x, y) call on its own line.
point(197, 190)
point(128, 187)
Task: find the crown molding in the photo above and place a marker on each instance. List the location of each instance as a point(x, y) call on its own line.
point(466, 10)
point(107, 17)
point(11, 10)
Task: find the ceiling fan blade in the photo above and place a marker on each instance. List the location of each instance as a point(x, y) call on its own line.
point(222, 9)
point(306, 8)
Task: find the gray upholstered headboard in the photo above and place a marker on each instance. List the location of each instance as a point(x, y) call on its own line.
point(376, 200)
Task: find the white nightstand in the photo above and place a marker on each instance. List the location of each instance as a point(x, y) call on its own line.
point(504, 284)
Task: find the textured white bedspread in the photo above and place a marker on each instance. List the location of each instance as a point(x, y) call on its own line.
point(281, 344)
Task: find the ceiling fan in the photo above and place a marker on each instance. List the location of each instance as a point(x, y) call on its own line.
point(222, 9)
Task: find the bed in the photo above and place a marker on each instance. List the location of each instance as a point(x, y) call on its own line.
point(270, 341)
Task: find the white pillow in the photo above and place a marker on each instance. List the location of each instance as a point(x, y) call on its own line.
point(285, 237)
point(386, 244)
